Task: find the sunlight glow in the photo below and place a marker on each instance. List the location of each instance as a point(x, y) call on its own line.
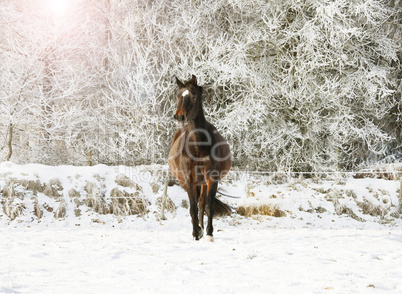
point(59, 7)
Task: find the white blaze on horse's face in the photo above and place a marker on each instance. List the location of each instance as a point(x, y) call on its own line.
point(185, 93)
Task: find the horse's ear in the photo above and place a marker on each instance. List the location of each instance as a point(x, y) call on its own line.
point(193, 80)
point(179, 83)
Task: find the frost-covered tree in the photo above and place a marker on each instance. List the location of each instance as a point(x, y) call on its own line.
point(21, 82)
point(50, 81)
point(293, 85)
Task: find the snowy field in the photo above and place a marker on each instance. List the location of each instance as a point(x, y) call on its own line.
point(164, 259)
point(70, 236)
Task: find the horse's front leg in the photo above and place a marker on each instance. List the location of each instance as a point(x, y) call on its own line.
point(193, 198)
point(201, 206)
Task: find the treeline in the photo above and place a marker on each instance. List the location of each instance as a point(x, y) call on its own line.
point(292, 85)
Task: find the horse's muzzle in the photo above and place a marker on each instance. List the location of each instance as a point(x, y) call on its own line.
point(179, 117)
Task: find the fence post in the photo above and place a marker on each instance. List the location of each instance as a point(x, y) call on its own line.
point(400, 190)
point(164, 199)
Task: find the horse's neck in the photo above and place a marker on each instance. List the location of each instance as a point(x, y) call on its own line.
point(200, 121)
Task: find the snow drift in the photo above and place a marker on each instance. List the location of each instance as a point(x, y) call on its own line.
point(36, 193)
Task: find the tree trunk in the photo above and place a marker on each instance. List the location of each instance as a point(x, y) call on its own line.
point(9, 141)
point(89, 163)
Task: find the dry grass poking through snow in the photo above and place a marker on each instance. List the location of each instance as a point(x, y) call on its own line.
point(104, 191)
point(124, 203)
point(263, 209)
point(126, 199)
point(21, 197)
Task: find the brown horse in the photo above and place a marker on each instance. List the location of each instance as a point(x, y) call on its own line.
point(199, 157)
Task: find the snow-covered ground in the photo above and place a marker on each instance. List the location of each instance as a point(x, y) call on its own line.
point(163, 259)
point(64, 230)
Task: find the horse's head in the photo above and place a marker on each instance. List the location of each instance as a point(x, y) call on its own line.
point(189, 103)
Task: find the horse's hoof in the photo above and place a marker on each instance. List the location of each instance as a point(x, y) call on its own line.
point(201, 233)
point(209, 238)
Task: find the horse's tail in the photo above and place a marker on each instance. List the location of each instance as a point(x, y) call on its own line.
point(221, 209)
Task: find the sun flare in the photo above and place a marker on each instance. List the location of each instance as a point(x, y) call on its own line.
point(59, 7)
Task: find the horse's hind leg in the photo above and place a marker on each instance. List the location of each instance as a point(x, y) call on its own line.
point(212, 188)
